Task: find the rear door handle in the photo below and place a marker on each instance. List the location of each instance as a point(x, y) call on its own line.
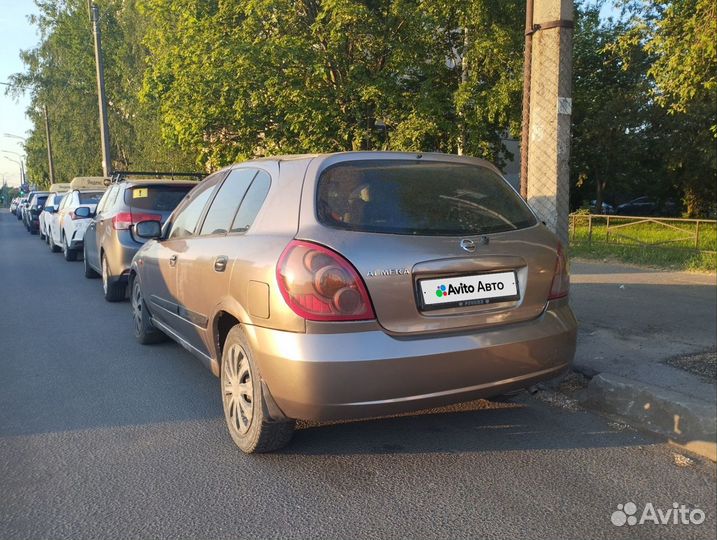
point(173, 260)
point(220, 263)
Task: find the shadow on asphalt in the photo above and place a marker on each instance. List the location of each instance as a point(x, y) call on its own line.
point(528, 425)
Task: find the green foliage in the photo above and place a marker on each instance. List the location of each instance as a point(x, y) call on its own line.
point(678, 37)
point(611, 115)
point(236, 79)
point(634, 132)
point(210, 82)
point(680, 34)
point(60, 73)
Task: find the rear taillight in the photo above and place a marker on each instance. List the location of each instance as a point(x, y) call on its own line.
point(73, 217)
point(320, 285)
point(124, 220)
point(561, 279)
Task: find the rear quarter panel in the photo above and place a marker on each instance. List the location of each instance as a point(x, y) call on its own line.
point(257, 251)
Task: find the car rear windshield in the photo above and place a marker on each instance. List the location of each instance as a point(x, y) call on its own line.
point(90, 197)
point(419, 197)
point(41, 199)
point(158, 198)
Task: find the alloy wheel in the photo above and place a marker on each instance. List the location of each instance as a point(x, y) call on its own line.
point(137, 307)
point(238, 389)
point(105, 274)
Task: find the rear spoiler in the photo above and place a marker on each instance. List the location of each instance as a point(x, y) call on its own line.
point(120, 176)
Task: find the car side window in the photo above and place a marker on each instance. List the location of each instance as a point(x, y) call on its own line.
point(225, 203)
point(103, 201)
point(252, 203)
point(185, 222)
point(112, 199)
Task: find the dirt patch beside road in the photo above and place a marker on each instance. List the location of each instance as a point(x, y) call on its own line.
point(702, 364)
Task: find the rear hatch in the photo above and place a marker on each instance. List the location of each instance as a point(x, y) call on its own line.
point(154, 201)
point(442, 245)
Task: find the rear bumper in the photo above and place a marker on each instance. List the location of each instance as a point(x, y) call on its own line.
point(119, 249)
point(364, 374)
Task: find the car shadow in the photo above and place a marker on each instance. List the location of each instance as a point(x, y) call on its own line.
point(479, 426)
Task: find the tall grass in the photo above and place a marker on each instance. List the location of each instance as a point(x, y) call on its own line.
point(668, 244)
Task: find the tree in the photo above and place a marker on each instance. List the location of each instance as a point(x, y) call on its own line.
point(679, 38)
point(236, 79)
point(60, 73)
point(611, 132)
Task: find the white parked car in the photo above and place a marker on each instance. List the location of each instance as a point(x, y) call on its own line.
point(52, 205)
point(67, 230)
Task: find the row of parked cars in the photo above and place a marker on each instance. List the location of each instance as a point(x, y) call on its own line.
point(327, 287)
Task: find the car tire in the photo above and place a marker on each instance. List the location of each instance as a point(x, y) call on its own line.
point(90, 273)
point(114, 292)
point(69, 253)
point(144, 331)
point(53, 247)
point(243, 400)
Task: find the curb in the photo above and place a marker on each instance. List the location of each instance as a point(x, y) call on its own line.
point(686, 421)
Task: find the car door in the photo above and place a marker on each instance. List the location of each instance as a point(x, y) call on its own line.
point(92, 234)
point(58, 217)
point(159, 258)
point(204, 269)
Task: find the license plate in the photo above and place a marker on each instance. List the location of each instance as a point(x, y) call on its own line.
point(470, 290)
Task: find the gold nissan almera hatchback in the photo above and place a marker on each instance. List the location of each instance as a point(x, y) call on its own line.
point(353, 285)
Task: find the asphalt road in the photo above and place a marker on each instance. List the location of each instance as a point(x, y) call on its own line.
point(101, 437)
point(632, 319)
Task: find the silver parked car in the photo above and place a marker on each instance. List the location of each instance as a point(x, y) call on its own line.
point(354, 285)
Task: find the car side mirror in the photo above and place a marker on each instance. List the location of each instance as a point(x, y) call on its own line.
point(83, 212)
point(50, 209)
point(148, 229)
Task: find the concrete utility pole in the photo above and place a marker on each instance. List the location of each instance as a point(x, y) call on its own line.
point(547, 176)
point(99, 63)
point(50, 163)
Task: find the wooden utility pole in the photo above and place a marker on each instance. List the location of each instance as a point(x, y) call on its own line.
point(102, 99)
point(50, 162)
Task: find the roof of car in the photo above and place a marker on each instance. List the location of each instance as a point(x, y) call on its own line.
point(371, 154)
point(158, 181)
point(88, 182)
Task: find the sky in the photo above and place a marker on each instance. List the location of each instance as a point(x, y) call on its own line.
point(17, 34)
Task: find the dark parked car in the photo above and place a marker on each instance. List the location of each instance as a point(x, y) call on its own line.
point(649, 206)
point(607, 208)
point(110, 241)
point(642, 206)
point(31, 214)
point(355, 285)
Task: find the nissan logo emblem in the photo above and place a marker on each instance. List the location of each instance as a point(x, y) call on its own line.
point(468, 245)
